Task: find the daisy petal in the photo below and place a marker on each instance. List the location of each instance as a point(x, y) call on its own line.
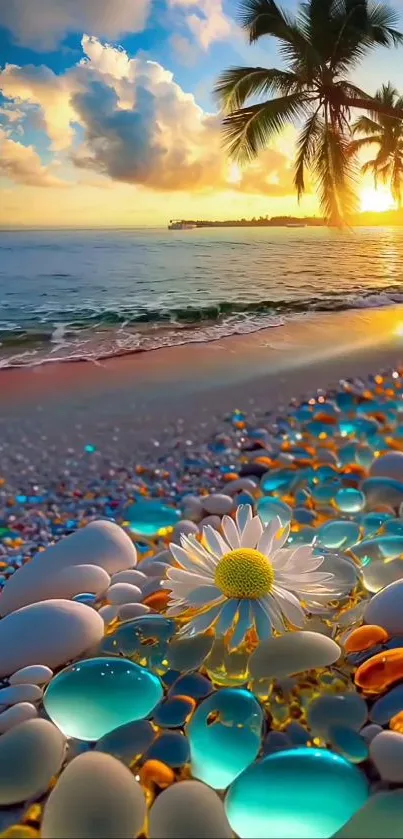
point(274, 612)
point(227, 616)
point(196, 550)
point(281, 537)
point(215, 541)
point(266, 540)
point(201, 623)
point(308, 579)
point(184, 559)
point(244, 623)
point(251, 533)
point(176, 574)
point(243, 515)
point(230, 532)
point(203, 594)
point(290, 606)
point(262, 621)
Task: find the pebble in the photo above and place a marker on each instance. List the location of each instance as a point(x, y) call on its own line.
point(365, 637)
point(370, 731)
point(36, 674)
point(95, 796)
point(128, 611)
point(386, 751)
point(16, 715)
point(387, 706)
point(217, 505)
point(239, 485)
point(121, 593)
point(189, 810)
point(389, 465)
point(20, 693)
point(212, 521)
point(108, 613)
point(184, 527)
point(292, 653)
point(128, 742)
point(327, 711)
point(101, 543)
point(381, 817)
point(379, 574)
point(386, 609)
point(134, 577)
point(53, 632)
point(30, 755)
point(381, 671)
point(77, 578)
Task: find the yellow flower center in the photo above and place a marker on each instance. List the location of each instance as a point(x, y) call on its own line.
point(244, 573)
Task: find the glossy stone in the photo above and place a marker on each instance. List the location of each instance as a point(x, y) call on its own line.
point(174, 712)
point(386, 608)
point(194, 685)
point(381, 817)
point(91, 698)
point(185, 654)
point(380, 672)
point(338, 535)
point(224, 736)
point(350, 500)
point(365, 637)
point(30, 754)
point(386, 751)
point(268, 508)
point(149, 517)
point(291, 653)
point(302, 793)
point(277, 480)
point(387, 706)
point(171, 748)
point(128, 742)
point(348, 743)
point(144, 639)
point(348, 709)
point(189, 810)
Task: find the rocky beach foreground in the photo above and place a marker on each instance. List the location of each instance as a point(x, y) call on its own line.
point(203, 635)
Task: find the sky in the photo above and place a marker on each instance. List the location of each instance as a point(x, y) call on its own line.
point(107, 116)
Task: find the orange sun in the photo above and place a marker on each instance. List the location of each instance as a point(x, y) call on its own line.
point(377, 200)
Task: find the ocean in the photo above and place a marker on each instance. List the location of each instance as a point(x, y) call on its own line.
point(85, 294)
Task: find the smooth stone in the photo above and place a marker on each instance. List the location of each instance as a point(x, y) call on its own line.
point(389, 465)
point(347, 709)
point(269, 508)
point(129, 611)
point(186, 654)
point(185, 527)
point(133, 576)
point(381, 817)
point(77, 578)
point(121, 593)
point(108, 613)
point(30, 755)
point(370, 731)
point(387, 706)
point(386, 609)
point(170, 748)
point(382, 548)
point(36, 674)
point(386, 751)
point(53, 632)
point(382, 491)
point(378, 574)
point(191, 684)
point(292, 653)
point(174, 712)
point(95, 796)
point(20, 693)
point(350, 500)
point(339, 535)
point(143, 640)
point(218, 505)
point(16, 715)
point(192, 508)
point(155, 569)
point(224, 736)
point(345, 572)
point(91, 698)
point(353, 747)
point(101, 543)
point(150, 517)
point(212, 521)
point(302, 793)
point(240, 485)
point(188, 810)
point(128, 742)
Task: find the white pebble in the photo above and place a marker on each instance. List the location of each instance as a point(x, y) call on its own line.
point(154, 584)
point(129, 611)
point(213, 521)
point(184, 527)
point(16, 715)
point(192, 508)
point(20, 693)
point(134, 577)
point(239, 485)
point(36, 674)
point(121, 593)
point(108, 613)
point(96, 796)
point(292, 653)
point(386, 751)
point(218, 505)
point(75, 579)
point(156, 569)
point(370, 731)
point(386, 608)
point(389, 465)
point(188, 810)
point(30, 755)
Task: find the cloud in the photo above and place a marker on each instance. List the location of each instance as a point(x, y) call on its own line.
point(43, 24)
point(22, 164)
point(206, 20)
point(126, 119)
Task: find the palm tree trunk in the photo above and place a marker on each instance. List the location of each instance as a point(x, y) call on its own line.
point(373, 105)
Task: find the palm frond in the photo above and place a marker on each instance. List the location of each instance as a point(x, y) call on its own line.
point(237, 84)
point(397, 181)
point(357, 145)
point(266, 17)
point(249, 129)
point(335, 174)
point(365, 125)
point(306, 145)
point(382, 22)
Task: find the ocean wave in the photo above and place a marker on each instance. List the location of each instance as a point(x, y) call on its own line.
point(93, 335)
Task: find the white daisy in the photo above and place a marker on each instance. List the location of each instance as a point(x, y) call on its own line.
point(245, 579)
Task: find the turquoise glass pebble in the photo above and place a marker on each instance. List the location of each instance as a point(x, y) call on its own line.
point(148, 517)
point(348, 743)
point(349, 500)
point(191, 684)
point(127, 742)
point(91, 698)
point(347, 709)
point(86, 597)
point(383, 548)
point(224, 736)
point(304, 793)
point(372, 522)
point(268, 508)
point(305, 536)
point(145, 638)
point(171, 748)
point(277, 480)
point(174, 712)
point(338, 535)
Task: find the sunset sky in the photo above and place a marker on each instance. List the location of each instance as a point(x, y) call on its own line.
point(107, 117)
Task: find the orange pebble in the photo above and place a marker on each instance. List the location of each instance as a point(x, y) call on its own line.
point(156, 772)
point(230, 476)
point(396, 723)
point(380, 672)
point(157, 601)
point(365, 637)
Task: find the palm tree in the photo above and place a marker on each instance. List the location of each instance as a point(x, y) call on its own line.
point(320, 46)
point(386, 133)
